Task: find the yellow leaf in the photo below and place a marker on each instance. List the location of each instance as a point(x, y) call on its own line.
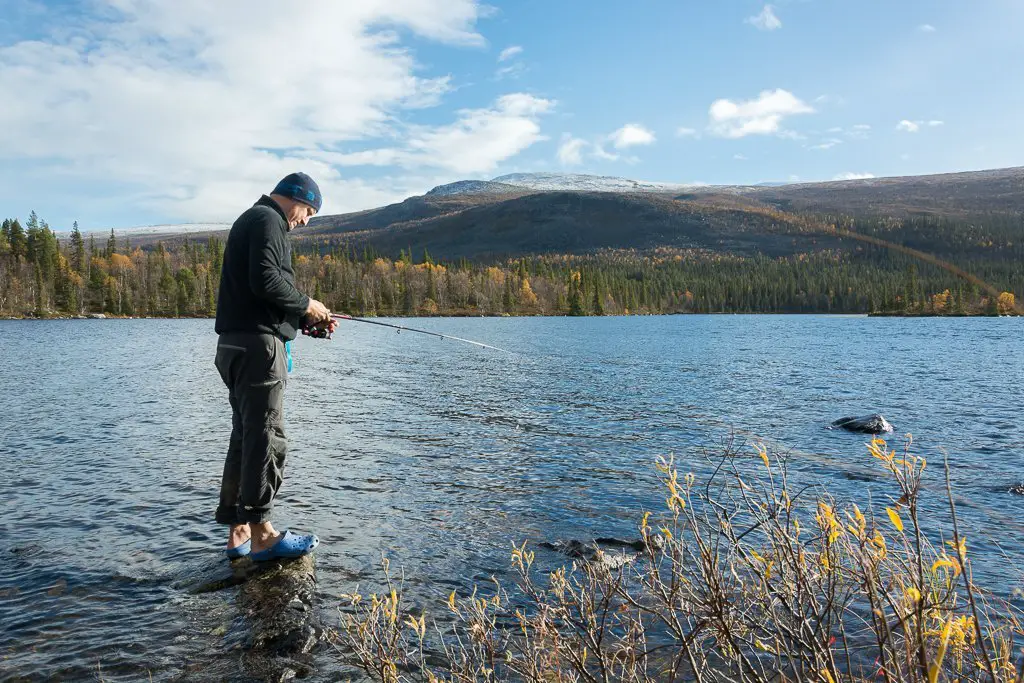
point(451, 602)
point(827, 676)
point(764, 457)
point(942, 562)
point(894, 517)
point(936, 666)
point(763, 646)
point(913, 595)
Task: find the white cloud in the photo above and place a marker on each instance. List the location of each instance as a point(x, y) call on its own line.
point(762, 116)
point(837, 129)
point(475, 143)
point(862, 126)
point(513, 71)
point(766, 20)
point(739, 157)
point(570, 151)
point(510, 52)
point(684, 132)
point(926, 28)
point(190, 107)
point(914, 126)
point(827, 144)
point(631, 134)
point(854, 176)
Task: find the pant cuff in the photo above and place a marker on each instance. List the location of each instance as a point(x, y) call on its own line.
point(227, 515)
point(253, 515)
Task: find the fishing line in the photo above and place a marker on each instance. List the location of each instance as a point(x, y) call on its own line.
point(402, 328)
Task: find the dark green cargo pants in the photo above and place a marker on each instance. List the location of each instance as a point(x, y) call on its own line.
point(255, 369)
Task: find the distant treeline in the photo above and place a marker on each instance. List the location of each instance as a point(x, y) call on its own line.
point(43, 276)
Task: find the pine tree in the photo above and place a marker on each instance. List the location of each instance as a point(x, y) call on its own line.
point(575, 296)
point(211, 303)
point(17, 239)
point(111, 244)
point(597, 307)
point(77, 249)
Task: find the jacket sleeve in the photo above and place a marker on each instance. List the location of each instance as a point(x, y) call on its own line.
point(267, 252)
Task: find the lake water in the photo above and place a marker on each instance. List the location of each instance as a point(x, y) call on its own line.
point(440, 454)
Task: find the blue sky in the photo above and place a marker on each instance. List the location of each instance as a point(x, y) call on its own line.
point(121, 113)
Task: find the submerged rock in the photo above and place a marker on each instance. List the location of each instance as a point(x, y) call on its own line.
point(869, 424)
point(278, 602)
point(280, 624)
point(603, 553)
point(1016, 489)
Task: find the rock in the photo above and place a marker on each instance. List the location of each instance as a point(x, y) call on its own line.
point(96, 316)
point(869, 424)
point(1015, 489)
point(278, 603)
point(280, 624)
point(595, 553)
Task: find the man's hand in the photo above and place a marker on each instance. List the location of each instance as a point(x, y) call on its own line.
point(316, 312)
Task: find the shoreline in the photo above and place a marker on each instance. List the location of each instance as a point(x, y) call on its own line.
point(113, 316)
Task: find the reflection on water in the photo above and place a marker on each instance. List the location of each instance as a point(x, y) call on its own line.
point(440, 453)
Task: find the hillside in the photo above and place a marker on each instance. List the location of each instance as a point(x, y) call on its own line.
point(489, 219)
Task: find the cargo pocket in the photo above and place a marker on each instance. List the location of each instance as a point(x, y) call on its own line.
point(272, 366)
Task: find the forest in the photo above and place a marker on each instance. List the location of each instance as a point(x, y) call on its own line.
point(42, 275)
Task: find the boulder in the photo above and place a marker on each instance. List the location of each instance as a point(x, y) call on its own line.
point(280, 624)
point(869, 424)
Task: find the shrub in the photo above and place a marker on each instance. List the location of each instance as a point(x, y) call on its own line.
point(741, 578)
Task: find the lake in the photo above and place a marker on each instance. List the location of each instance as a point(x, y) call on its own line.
point(440, 454)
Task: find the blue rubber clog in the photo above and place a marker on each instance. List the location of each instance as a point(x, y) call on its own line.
point(240, 550)
point(289, 545)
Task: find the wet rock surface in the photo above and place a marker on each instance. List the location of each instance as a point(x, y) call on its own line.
point(603, 553)
point(277, 624)
point(1016, 488)
point(867, 424)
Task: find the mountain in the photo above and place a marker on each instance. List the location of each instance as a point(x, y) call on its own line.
point(492, 219)
point(483, 187)
point(584, 183)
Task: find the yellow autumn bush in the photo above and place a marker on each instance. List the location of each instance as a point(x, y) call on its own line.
point(743, 576)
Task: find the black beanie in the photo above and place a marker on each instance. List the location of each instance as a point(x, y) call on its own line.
point(301, 188)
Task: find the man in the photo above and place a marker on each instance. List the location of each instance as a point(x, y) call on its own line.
point(259, 312)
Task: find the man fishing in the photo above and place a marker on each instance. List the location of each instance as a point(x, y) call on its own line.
point(259, 312)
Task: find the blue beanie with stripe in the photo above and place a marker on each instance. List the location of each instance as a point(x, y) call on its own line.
point(301, 188)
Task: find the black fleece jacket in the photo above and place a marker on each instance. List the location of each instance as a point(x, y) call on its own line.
point(257, 285)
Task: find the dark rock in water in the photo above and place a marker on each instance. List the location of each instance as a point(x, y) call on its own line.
point(869, 424)
point(1016, 489)
point(278, 604)
point(860, 476)
point(280, 620)
point(598, 553)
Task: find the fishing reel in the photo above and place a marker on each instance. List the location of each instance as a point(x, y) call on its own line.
point(320, 330)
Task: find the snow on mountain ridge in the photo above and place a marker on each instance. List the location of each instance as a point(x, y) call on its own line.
point(585, 183)
point(473, 187)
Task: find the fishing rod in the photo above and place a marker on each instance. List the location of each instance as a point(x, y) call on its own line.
point(323, 332)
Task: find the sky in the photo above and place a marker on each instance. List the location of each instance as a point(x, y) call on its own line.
point(120, 113)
